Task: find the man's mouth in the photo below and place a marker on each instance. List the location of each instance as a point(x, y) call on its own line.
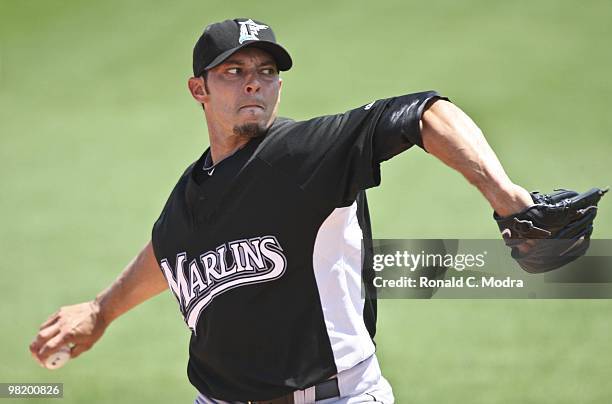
point(247, 106)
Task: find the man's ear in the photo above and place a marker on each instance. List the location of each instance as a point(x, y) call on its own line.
point(197, 88)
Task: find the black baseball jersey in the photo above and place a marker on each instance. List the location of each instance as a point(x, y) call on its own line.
point(265, 252)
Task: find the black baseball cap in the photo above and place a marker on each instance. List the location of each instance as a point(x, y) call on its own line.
point(222, 39)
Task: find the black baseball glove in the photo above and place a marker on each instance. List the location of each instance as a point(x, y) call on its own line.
point(554, 231)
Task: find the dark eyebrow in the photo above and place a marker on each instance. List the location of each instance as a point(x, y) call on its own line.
point(266, 62)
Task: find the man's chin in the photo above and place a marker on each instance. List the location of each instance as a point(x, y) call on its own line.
point(250, 129)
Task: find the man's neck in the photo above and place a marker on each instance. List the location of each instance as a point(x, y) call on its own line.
point(225, 147)
point(223, 142)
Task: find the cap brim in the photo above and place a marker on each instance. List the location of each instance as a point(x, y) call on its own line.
point(283, 60)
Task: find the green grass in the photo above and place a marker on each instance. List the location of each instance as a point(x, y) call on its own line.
point(96, 124)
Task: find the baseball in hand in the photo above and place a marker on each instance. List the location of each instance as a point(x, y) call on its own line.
point(58, 359)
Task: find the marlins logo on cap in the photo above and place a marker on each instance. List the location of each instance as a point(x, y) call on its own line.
point(249, 30)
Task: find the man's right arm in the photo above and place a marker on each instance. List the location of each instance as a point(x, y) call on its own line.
point(83, 324)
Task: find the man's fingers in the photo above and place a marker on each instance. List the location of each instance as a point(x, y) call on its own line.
point(77, 326)
point(49, 332)
point(42, 337)
point(35, 356)
point(52, 319)
point(53, 345)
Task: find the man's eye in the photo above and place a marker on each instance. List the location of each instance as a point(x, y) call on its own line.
point(268, 71)
point(233, 70)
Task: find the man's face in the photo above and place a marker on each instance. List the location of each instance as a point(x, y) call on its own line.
point(242, 93)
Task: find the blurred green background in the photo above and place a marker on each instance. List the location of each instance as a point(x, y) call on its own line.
point(96, 125)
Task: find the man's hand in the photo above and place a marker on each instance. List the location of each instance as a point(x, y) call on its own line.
point(83, 324)
point(80, 325)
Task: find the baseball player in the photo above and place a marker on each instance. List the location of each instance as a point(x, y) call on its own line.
point(262, 239)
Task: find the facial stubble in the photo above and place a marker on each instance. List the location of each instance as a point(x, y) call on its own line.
point(249, 130)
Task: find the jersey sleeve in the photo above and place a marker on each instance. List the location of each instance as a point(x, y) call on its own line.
point(398, 127)
point(336, 156)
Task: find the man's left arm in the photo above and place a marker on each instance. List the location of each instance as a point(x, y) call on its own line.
point(545, 231)
point(451, 136)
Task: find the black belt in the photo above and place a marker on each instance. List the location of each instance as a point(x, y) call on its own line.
point(327, 389)
point(323, 390)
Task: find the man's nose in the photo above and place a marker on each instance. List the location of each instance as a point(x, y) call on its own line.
point(253, 85)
